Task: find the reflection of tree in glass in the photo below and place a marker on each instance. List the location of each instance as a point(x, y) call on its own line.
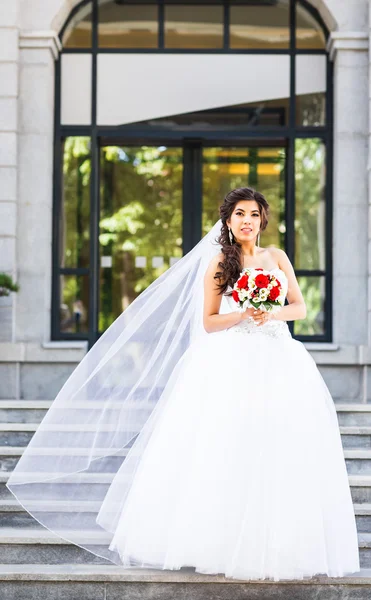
point(74, 251)
point(75, 303)
point(310, 228)
point(74, 228)
point(263, 168)
point(313, 291)
point(141, 215)
point(310, 207)
point(311, 109)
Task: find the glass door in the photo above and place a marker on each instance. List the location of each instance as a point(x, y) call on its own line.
point(262, 167)
point(148, 196)
point(141, 221)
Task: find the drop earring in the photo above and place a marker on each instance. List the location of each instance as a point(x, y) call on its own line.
point(230, 235)
point(259, 239)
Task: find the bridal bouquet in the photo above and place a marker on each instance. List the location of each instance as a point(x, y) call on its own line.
point(259, 290)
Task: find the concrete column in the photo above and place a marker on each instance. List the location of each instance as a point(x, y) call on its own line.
point(349, 50)
point(38, 51)
point(8, 157)
point(369, 190)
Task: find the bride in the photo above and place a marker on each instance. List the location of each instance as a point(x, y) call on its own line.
point(196, 434)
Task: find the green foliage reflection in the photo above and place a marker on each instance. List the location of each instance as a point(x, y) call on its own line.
point(314, 293)
point(141, 216)
point(263, 168)
point(309, 204)
point(75, 209)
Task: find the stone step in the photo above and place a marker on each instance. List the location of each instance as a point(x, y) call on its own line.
point(362, 512)
point(84, 572)
point(12, 514)
point(88, 582)
point(15, 413)
point(23, 411)
point(24, 541)
point(353, 414)
point(358, 460)
point(10, 455)
point(40, 546)
point(33, 411)
point(79, 488)
point(355, 436)
point(20, 434)
point(360, 485)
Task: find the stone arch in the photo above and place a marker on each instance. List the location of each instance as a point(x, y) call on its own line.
point(63, 13)
point(325, 8)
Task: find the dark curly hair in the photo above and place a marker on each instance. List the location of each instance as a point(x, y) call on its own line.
point(232, 264)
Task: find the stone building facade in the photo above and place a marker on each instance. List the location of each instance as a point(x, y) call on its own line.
point(35, 357)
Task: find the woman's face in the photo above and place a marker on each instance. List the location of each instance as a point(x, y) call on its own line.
point(245, 220)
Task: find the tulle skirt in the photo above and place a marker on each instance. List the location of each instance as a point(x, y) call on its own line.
point(244, 472)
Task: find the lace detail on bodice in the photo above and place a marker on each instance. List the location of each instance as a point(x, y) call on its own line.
point(272, 328)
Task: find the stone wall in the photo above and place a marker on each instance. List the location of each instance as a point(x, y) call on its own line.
point(9, 55)
point(28, 48)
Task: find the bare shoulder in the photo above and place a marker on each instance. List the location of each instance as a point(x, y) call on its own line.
point(294, 293)
point(280, 257)
point(213, 264)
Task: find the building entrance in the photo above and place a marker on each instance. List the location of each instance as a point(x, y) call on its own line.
point(158, 200)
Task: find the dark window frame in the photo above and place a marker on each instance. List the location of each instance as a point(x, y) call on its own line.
point(135, 134)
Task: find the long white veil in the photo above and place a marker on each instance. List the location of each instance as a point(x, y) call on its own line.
point(77, 470)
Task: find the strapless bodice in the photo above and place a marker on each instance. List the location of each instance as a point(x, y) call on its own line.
point(272, 328)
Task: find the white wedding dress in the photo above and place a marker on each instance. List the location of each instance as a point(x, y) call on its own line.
point(244, 472)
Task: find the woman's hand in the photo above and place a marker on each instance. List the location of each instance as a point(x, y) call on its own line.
point(260, 316)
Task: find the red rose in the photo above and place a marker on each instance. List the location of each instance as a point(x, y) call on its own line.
point(259, 269)
point(262, 281)
point(235, 296)
point(242, 282)
point(274, 293)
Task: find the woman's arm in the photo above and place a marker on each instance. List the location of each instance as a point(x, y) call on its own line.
point(212, 320)
point(296, 309)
